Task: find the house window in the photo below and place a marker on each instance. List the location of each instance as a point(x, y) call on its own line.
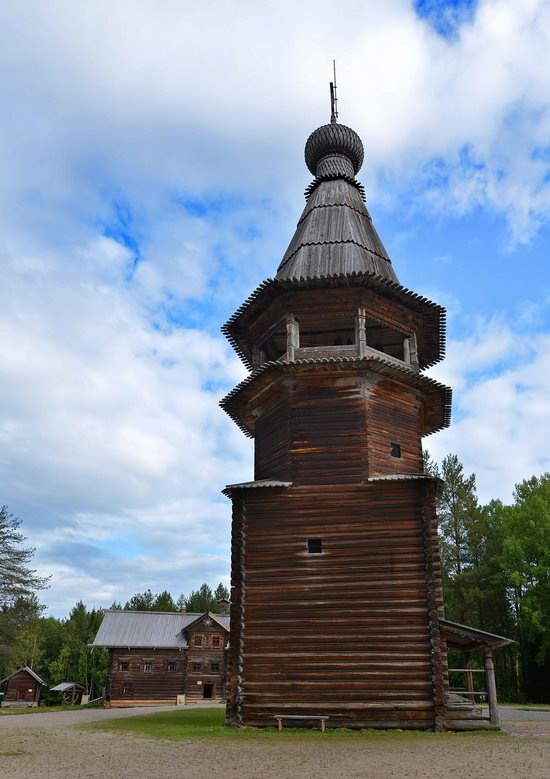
point(127, 688)
point(197, 640)
point(148, 666)
point(314, 545)
point(197, 667)
point(123, 665)
point(215, 640)
point(172, 668)
point(214, 667)
point(395, 450)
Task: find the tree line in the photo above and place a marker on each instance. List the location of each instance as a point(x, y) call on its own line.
point(496, 573)
point(496, 577)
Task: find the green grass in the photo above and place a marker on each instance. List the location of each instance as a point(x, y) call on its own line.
point(526, 706)
point(200, 724)
point(8, 710)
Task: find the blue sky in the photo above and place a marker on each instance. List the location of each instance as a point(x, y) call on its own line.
point(152, 158)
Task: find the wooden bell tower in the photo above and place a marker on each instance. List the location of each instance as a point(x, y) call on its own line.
point(336, 587)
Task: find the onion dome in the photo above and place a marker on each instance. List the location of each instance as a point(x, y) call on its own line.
point(335, 235)
point(334, 149)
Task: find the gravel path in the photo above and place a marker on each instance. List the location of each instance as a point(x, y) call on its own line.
point(46, 752)
point(59, 719)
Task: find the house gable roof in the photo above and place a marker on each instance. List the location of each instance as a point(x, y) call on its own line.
point(26, 669)
point(222, 620)
point(147, 629)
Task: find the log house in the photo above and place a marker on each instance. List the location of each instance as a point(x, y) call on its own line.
point(164, 658)
point(22, 688)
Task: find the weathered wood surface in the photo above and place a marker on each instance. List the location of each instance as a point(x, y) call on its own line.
point(163, 685)
point(348, 631)
point(23, 688)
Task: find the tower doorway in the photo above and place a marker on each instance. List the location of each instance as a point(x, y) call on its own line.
point(208, 690)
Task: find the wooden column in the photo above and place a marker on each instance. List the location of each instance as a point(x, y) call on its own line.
point(292, 338)
point(491, 686)
point(361, 332)
point(469, 676)
point(407, 350)
point(413, 351)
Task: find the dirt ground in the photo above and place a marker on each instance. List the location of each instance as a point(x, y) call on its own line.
point(46, 752)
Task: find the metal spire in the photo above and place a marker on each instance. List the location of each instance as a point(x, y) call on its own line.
point(333, 98)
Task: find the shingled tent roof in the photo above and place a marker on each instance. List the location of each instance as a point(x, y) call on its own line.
point(335, 235)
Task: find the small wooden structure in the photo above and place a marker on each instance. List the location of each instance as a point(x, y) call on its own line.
point(22, 688)
point(163, 658)
point(71, 692)
point(336, 591)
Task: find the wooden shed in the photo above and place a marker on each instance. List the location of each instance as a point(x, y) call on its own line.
point(22, 688)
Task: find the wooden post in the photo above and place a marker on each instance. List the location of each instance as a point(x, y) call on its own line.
point(491, 686)
point(469, 676)
point(413, 350)
point(407, 350)
point(361, 332)
point(292, 338)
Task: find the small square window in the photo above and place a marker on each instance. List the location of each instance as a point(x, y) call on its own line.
point(215, 640)
point(148, 666)
point(172, 668)
point(214, 667)
point(395, 450)
point(123, 665)
point(197, 640)
point(197, 667)
point(314, 545)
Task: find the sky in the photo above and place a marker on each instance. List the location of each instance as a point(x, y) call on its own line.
point(152, 177)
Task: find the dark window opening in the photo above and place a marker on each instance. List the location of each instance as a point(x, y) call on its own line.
point(384, 339)
point(127, 688)
point(274, 347)
point(337, 331)
point(395, 450)
point(215, 640)
point(172, 667)
point(197, 667)
point(314, 545)
point(214, 667)
point(197, 640)
point(123, 665)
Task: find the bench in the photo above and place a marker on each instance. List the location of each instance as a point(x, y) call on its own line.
point(280, 717)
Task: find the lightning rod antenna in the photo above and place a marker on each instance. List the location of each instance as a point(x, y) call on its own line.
point(333, 97)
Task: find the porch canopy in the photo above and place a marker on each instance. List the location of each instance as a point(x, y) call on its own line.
point(468, 639)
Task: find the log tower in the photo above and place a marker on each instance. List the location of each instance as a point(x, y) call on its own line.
point(336, 588)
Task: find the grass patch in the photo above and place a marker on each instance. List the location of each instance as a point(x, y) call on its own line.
point(12, 753)
point(200, 724)
point(526, 706)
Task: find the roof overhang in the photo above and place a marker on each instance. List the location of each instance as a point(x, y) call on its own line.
point(236, 328)
point(438, 396)
point(466, 638)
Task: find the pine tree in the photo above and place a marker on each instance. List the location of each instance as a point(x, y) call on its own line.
point(17, 580)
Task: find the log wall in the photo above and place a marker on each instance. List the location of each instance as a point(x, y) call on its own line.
point(135, 685)
point(393, 417)
point(22, 688)
point(348, 633)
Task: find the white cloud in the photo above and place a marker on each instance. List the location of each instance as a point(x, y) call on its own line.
point(502, 405)
point(175, 133)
